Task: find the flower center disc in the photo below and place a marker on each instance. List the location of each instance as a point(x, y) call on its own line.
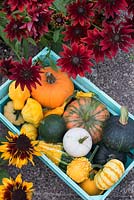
point(23, 143)
point(81, 10)
point(59, 19)
point(78, 31)
point(19, 194)
point(117, 37)
point(26, 74)
point(75, 60)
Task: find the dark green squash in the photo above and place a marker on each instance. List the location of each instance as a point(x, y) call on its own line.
point(104, 154)
point(119, 132)
point(52, 128)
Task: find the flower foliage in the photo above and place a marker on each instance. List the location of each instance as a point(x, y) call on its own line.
point(69, 27)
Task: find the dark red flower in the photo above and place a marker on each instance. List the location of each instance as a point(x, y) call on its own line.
point(6, 66)
point(42, 2)
point(116, 36)
point(130, 6)
point(26, 74)
point(14, 29)
point(80, 11)
point(93, 42)
point(74, 33)
point(17, 4)
point(75, 60)
point(111, 7)
point(6, 8)
point(130, 22)
point(40, 18)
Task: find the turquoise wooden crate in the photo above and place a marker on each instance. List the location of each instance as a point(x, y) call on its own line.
point(82, 84)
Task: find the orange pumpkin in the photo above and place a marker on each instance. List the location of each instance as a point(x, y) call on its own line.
point(55, 88)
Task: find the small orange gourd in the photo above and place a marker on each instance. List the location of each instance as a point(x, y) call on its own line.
point(55, 88)
point(89, 185)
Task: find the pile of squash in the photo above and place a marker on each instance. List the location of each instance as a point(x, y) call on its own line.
point(80, 135)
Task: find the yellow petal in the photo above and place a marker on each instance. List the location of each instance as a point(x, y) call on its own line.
point(19, 179)
point(27, 185)
point(6, 181)
point(84, 94)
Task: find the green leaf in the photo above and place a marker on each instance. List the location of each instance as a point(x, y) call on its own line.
point(3, 174)
point(53, 64)
point(17, 46)
point(3, 162)
point(60, 5)
point(56, 35)
point(25, 48)
point(3, 139)
point(30, 40)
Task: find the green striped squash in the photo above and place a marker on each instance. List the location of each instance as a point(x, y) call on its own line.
point(88, 113)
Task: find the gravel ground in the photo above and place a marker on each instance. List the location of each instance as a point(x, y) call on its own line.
point(116, 78)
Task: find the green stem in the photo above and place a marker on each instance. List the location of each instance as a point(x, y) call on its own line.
point(81, 140)
point(17, 112)
point(50, 77)
point(91, 175)
point(123, 115)
point(97, 166)
point(100, 29)
point(93, 154)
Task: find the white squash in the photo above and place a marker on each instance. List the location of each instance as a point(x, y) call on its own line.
point(77, 142)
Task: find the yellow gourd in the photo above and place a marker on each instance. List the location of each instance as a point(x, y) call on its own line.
point(57, 111)
point(18, 96)
point(56, 154)
point(30, 130)
point(32, 112)
point(109, 174)
point(12, 115)
point(79, 169)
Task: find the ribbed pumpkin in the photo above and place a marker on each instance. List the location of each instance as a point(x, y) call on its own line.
point(109, 174)
point(55, 88)
point(88, 113)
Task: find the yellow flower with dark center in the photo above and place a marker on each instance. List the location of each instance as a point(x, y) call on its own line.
point(58, 20)
point(19, 149)
point(16, 189)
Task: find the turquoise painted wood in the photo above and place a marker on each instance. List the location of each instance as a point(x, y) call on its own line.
point(85, 85)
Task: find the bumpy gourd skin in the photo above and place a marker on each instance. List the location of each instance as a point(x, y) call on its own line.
point(30, 130)
point(32, 112)
point(11, 115)
point(79, 169)
point(18, 95)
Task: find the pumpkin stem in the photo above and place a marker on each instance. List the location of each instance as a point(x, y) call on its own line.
point(124, 115)
point(50, 77)
point(97, 166)
point(81, 140)
point(92, 175)
point(93, 154)
point(17, 112)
